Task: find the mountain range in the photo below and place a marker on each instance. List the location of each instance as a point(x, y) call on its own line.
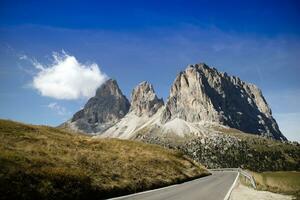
point(215, 119)
point(201, 99)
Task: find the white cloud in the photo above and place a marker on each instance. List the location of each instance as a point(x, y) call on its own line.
point(57, 108)
point(66, 78)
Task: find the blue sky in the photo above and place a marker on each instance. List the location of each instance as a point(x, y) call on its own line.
point(132, 41)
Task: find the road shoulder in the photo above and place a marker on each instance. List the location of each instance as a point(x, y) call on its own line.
point(242, 192)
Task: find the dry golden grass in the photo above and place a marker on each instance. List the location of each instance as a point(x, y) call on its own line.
point(286, 182)
point(48, 163)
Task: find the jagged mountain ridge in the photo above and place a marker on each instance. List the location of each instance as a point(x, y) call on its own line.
point(145, 106)
point(144, 100)
point(200, 98)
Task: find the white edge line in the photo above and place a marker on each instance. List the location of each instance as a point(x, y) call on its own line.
point(231, 188)
point(144, 192)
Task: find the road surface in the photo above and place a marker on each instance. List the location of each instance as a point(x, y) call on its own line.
point(214, 187)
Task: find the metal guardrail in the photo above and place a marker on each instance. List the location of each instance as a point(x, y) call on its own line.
point(248, 176)
point(242, 172)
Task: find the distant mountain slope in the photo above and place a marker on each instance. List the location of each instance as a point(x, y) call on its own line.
point(39, 162)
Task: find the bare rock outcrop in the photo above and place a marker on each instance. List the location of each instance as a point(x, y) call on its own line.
point(102, 111)
point(145, 109)
point(201, 93)
point(144, 100)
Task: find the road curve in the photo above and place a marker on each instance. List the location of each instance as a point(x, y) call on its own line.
point(214, 187)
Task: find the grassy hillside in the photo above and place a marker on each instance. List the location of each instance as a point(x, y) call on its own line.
point(39, 162)
point(286, 182)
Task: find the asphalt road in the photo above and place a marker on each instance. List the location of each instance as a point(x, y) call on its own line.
point(214, 187)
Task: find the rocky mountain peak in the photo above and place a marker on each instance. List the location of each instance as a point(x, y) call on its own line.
point(110, 87)
point(103, 110)
point(144, 101)
point(201, 93)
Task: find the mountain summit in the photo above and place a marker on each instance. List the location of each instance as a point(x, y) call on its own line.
point(145, 106)
point(102, 111)
point(144, 100)
point(202, 94)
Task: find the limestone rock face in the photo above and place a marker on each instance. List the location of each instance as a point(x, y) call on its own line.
point(145, 110)
point(103, 110)
point(201, 93)
point(144, 100)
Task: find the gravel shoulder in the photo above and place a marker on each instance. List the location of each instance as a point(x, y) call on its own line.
point(242, 192)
